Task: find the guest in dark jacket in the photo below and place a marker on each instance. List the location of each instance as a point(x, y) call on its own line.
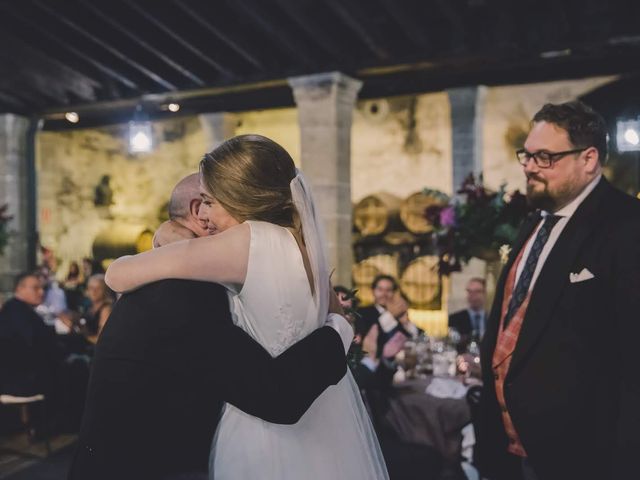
point(27, 346)
point(389, 312)
point(470, 322)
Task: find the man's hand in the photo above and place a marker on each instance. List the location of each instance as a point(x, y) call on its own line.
point(394, 345)
point(169, 232)
point(397, 306)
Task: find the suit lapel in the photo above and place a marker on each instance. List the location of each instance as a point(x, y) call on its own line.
point(493, 320)
point(554, 276)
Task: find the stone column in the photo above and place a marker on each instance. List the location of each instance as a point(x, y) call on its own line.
point(14, 191)
point(325, 108)
point(467, 105)
point(217, 127)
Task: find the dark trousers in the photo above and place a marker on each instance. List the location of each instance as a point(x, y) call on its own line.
point(527, 470)
point(187, 476)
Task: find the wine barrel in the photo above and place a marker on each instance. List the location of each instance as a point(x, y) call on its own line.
point(122, 239)
point(376, 214)
point(412, 212)
point(365, 271)
point(421, 283)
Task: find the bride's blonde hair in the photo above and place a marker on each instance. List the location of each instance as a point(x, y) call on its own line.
point(249, 175)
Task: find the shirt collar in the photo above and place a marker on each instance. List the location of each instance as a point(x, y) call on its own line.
point(380, 308)
point(569, 209)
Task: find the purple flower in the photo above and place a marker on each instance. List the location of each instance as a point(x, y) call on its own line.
point(448, 216)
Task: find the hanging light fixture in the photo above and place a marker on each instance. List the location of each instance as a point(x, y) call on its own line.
point(140, 132)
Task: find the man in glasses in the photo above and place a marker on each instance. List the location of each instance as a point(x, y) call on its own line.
point(561, 394)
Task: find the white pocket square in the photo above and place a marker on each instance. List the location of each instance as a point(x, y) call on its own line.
point(585, 274)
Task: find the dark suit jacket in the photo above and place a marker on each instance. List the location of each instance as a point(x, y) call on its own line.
point(573, 388)
point(461, 321)
point(167, 358)
point(28, 354)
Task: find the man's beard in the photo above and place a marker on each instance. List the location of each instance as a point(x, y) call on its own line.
point(539, 199)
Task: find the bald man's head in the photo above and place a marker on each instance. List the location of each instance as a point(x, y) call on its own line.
point(184, 204)
point(186, 190)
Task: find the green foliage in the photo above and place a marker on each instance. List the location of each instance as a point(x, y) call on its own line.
point(475, 224)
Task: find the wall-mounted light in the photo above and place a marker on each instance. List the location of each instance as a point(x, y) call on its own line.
point(173, 107)
point(72, 117)
point(140, 132)
point(628, 135)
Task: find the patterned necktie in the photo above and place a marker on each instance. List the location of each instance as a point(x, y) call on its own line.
point(475, 324)
point(522, 287)
point(477, 330)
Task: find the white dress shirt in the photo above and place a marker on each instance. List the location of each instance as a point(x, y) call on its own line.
point(388, 322)
point(565, 213)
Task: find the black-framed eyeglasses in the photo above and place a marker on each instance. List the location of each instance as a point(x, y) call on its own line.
point(543, 158)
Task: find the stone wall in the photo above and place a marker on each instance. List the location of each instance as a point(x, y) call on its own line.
point(401, 145)
point(71, 166)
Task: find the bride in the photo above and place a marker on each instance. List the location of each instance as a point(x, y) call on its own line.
point(267, 248)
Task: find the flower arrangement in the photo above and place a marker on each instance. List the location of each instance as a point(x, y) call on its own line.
point(4, 232)
point(477, 223)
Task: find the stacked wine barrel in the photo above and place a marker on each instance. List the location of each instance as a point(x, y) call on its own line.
point(393, 237)
point(122, 239)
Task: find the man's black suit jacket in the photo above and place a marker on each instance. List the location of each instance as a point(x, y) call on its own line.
point(28, 354)
point(167, 358)
point(461, 321)
point(573, 388)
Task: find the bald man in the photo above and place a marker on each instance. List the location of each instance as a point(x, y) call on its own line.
point(183, 213)
point(168, 358)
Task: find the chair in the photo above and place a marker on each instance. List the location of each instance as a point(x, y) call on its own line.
point(23, 403)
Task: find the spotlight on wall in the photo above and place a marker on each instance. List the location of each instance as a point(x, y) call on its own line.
point(72, 117)
point(628, 135)
point(140, 133)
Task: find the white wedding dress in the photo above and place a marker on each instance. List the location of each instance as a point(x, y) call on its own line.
point(334, 439)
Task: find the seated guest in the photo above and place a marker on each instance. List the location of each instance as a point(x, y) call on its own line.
point(388, 312)
point(101, 304)
point(470, 322)
point(27, 346)
point(73, 287)
point(376, 371)
point(374, 376)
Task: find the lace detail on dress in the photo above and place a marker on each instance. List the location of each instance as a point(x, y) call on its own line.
point(290, 329)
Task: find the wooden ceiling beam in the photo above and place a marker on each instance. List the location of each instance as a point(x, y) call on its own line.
point(296, 11)
point(290, 45)
point(216, 64)
point(104, 45)
point(107, 71)
point(182, 70)
point(358, 23)
point(243, 51)
point(410, 26)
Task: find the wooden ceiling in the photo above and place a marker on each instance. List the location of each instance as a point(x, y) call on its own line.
point(103, 58)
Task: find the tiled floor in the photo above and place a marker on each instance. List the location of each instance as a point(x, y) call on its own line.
point(30, 454)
